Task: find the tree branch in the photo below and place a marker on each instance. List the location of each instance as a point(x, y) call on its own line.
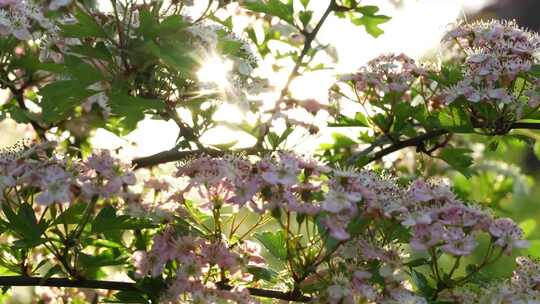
point(127, 286)
point(526, 125)
point(310, 37)
point(64, 282)
point(419, 140)
point(18, 94)
point(165, 157)
point(307, 45)
point(175, 155)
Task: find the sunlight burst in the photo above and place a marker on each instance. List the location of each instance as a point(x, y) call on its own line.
point(215, 70)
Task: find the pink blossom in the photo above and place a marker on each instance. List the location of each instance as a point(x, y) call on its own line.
point(157, 184)
point(385, 74)
point(253, 252)
point(219, 254)
point(183, 248)
point(337, 227)
point(426, 236)
point(285, 173)
point(500, 94)
point(140, 262)
point(6, 181)
point(245, 190)
point(507, 235)
point(337, 200)
point(312, 105)
point(56, 4)
point(55, 187)
point(4, 3)
point(420, 191)
point(464, 245)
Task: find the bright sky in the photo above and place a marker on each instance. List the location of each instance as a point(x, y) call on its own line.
point(416, 27)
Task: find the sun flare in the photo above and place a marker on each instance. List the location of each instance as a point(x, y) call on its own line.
point(216, 71)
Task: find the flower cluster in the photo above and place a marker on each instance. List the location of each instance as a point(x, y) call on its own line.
point(291, 183)
point(355, 280)
point(195, 261)
point(496, 53)
point(239, 182)
point(17, 18)
point(384, 75)
point(365, 216)
point(522, 287)
point(58, 180)
point(440, 220)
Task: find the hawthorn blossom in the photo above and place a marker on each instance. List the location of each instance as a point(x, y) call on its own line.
point(522, 287)
point(55, 186)
point(18, 16)
point(507, 235)
point(6, 181)
point(386, 74)
point(56, 4)
point(284, 173)
point(437, 218)
point(337, 226)
point(4, 3)
point(140, 262)
point(426, 236)
point(113, 175)
point(458, 243)
point(337, 200)
point(496, 54)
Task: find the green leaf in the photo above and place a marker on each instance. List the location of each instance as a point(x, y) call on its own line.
point(61, 97)
point(130, 110)
point(127, 297)
point(107, 220)
point(82, 71)
point(342, 141)
point(357, 226)
point(422, 284)
point(417, 262)
point(85, 27)
point(528, 226)
point(274, 242)
point(225, 146)
point(359, 120)
point(98, 51)
point(106, 258)
point(91, 264)
point(177, 58)
point(25, 224)
point(455, 119)
point(260, 273)
point(148, 24)
point(535, 70)
point(536, 149)
point(72, 215)
point(370, 20)
point(272, 7)
point(172, 24)
point(56, 269)
point(534, 250)
point(305, 17)
point(15, 113)
point(459, 158)
point(273, 139)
